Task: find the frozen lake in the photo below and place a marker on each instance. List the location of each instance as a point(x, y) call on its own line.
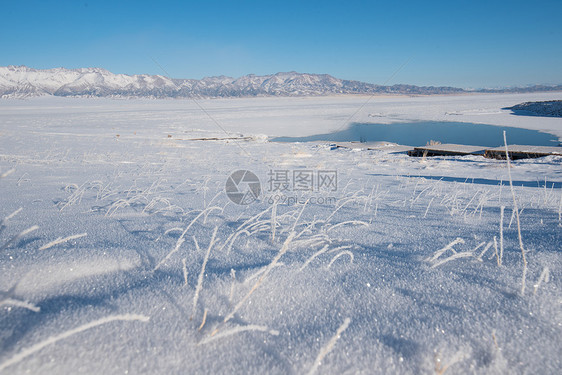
point(419, 133)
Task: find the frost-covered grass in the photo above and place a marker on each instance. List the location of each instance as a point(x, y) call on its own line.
point(124, 255)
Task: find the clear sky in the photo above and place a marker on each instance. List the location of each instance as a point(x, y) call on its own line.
point(470, 44)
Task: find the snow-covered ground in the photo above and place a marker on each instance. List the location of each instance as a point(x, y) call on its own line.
point(120, 251)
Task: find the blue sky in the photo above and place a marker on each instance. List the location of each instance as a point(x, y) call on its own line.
point(456, 43)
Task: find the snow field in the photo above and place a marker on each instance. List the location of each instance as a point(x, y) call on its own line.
point(141, 264)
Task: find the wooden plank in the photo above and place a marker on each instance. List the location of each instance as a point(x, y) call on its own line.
point(452, 149)
point(447, 149)
point(522, 152)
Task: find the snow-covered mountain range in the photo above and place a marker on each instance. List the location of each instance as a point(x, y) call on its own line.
point(22, 81)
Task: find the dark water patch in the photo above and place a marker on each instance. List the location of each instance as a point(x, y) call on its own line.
point(420, 133)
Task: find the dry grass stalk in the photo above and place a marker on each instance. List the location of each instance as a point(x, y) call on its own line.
point(233, 276)
point(243, 227)
point(20, 303)
point(272, 265)
point(273, 221)
point(60, 240)
point(488, 246)
point(319, 252)
point(427, 209)
point(523, 279)
point(496, 251)
point(440, 369)
point(440, 252)
point(502, 208)
point(235, 330)
point(184, 269)
point(54, 339)
point(465, 254)
point(7, 173)
point(202, 273)
point(203, 321)
point(19, 235)
point(345, 252)
point(352, 222)
point(544, 277)
point(329, 346)
point(181, 239)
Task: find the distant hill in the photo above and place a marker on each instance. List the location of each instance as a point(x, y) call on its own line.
point(22, 82)
point(552, 108)
point(534, 88)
